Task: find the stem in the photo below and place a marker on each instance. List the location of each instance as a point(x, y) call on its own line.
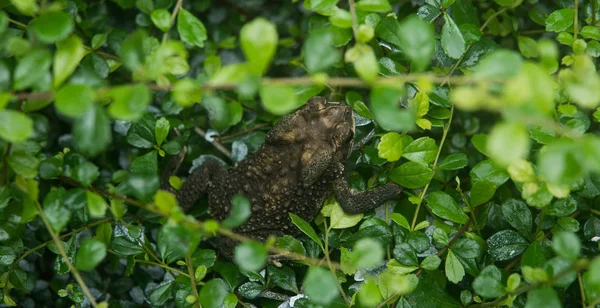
point(166, 267)
point(492, 17)
point(331, 268)
point(19, 24)
point(354, 21)
point(62, 252)
point(583, 300)
point(471, 210)
point(575, 23)
point(437, 157)
point(217, 145)
point(193, 283)
point(173, 16)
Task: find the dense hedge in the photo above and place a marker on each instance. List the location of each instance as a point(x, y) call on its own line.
point(485, 111)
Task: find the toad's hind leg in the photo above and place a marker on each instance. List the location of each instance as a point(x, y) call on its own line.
point(196, 184)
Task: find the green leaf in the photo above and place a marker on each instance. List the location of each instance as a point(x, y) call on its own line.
point(161, 18)
point(454, 162)
point(283, 277)
point(145, 164)
point(590, 32)
point(104, 233)
point(96, 204)
point(365, 62)
point(422, 150)
point(74, 99)
point(250, 256)
point(161, 131)
point(23, 164)
point(528, 47)
point(186, 92)
point(52, 26)
point(411, 175)
point(290, 243)
point(251, 289)
point(390, 146)
point(161, 294)
point(508, 142)
point(562, 207)
point(416, 38)
point(388, 29)
point(306, 228)
point(31, 69)
point(129, 102)
point(27, 7)
point(240, 212)
point(500, 63)
point(9, 119)
point(191, 29)
point(98, 40)
point(505, 245)
point(341, 220)
point(213, 293)
point(175, 241)
point(58, 216)
point(489, 283)
point(594, 273)
point(566, 245)
point(66, 59)
point(518, 215)
point(126, 247)
point(340, 18)
point(387, 111)
point(7, 256)
point(561, 162)
point(379, 6)
point(319, 53)
point(141, 134)
point(452, 39)
point(443, 205)
point(278, 100)
point(90, 254)
point(486, 170)
point(482, 191)
point(366, 253)
point(543, 297)
point(92, 131)
point(454, 269)
point(320, 286)
point(560, 20)
point(431, 262)
point(400, 220)
point(259, 42)
point(3, 22)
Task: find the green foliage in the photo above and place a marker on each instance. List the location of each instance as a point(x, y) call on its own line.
point(486, 112)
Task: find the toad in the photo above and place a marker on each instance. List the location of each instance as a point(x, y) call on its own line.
point(300, 164)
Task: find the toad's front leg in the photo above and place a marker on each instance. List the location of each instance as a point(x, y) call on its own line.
point(354, 202)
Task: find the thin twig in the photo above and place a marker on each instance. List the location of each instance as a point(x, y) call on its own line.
point(62, 252)
point(173, 16)
point(437, 157)
point(217, 145)
point(331, 268)
point(575, 19)
point(353, 16)
point(193, 283)
point(256, 127)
